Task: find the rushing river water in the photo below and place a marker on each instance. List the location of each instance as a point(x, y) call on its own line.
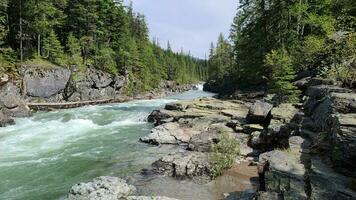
point(43, 156)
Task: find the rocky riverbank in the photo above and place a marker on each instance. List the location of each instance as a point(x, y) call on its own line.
point(53, 84)
point(302, 151)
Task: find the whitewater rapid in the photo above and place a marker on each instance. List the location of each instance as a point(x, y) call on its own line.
point(42, 156)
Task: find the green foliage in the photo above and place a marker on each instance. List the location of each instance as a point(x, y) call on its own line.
point(53, 48)
point(105, 60)
point(279, 64)
point(224, 154)
point(105, 34)
point(273, 40)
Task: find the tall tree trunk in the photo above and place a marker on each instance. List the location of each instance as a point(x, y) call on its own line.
point(21, 39)
point(39, 45)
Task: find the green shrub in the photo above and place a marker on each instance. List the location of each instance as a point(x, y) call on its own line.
point(279, 63)
point(224, 154)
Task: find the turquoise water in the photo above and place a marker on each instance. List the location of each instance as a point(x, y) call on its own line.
point(43, 156)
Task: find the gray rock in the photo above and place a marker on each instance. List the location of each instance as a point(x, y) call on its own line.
point(203, 142)
point(12, 103)
point(327, 184)
point(283, 172)
point(101, 188)
point(5, 120)
point(4, 78)
point(185, 165)
point(119, 82)
point(256, 140)
point(99, 78)
point(316, 94)
point(268, 196)
point(259, 112)
point(169, 133)
point(335, 120)
point(149, 198)
point(45, 82)
point(175, 106)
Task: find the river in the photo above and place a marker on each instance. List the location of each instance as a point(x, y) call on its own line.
point(43, 156)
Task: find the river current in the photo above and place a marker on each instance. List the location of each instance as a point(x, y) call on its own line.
point(43, 156)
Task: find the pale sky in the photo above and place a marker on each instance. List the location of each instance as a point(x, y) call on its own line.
point(188, 24)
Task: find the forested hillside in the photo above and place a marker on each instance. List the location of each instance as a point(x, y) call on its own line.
point(274, 42)
point(105, 34)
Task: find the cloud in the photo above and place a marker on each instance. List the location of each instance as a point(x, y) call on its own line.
point(188, 24)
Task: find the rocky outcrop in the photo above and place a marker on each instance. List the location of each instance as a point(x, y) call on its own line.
point(283, 171)
point(107, 188)
point(332, 124)
point(185, 164)
point(12, 103)
point(45, 82)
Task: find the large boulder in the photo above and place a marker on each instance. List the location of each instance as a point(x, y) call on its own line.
point(259, 112)
point(12, 103)
point(186, 164)
point(45, 82)
point(101, 188)
point(283, 172)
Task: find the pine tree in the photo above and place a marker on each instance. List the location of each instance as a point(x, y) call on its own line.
point(53, 48)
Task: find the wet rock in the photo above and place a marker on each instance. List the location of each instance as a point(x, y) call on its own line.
point(186, 164)
point(5, 120)
point(175, 106)
point(101, 188)
point(45, 82)
point(12, 103)
point(258, 112)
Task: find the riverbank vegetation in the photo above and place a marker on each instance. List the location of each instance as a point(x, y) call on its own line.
point(274, 42)
point(105, 34)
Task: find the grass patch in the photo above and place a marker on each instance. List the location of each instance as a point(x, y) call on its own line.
point(224, 154)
